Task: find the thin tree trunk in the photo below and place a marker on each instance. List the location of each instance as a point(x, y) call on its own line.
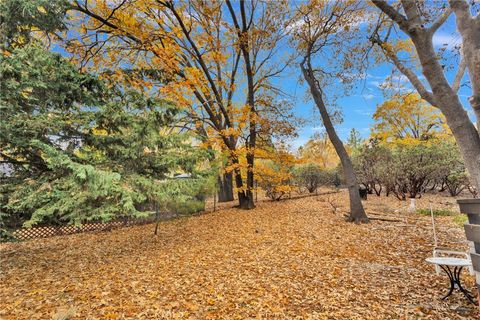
point(378, 191)
point(249, 204)
point(214, 202)
point(442, 186)
point(157, 218)
point(357, 213)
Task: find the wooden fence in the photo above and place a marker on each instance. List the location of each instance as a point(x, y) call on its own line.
point(50, 231)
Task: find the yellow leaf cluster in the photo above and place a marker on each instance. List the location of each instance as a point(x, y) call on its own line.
point(319, 150)
point(409, 118)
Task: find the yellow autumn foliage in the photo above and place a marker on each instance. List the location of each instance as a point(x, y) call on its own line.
point(273, 170)
point(408, 118)
point(319, 150)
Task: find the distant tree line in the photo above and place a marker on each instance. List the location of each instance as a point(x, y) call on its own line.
point(409, 170)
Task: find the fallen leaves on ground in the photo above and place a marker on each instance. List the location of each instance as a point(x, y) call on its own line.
point(291, 259)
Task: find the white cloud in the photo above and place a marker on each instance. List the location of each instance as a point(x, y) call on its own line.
point(356, 21)
point(368, 96)
point(295, 25)
point(376, 83)
point(381, 81)
point(446, 40)
point(361, 20)
point(372, 76)
point(363, 112)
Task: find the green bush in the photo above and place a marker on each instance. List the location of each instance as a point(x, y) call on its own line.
point(311, 176)
point(188, 207)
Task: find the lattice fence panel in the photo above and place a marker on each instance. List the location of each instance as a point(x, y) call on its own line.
point(50, 231)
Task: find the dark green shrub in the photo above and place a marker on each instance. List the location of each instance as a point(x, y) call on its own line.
point(188, 207)
point(310, 176)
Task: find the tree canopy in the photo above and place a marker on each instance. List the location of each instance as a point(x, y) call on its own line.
point(407, 116)
point(108, 100)
point(76, 148)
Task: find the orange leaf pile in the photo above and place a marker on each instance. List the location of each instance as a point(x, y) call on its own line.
point(291, 259)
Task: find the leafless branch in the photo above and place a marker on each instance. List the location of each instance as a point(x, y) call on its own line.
point(440, 21)
point(460, 73)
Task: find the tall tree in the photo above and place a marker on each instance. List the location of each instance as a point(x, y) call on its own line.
point(326, 27)
point(77, 148)
point(201, 49)
point(419, 23)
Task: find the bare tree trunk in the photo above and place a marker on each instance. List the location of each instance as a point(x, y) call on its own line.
point(250, 180)
point(225, 190)
point(214, 202)
point(442, 95)
point(449, 103)
point(244, 201)
point(442, 186)
point(357, 213)
point(469, 28)
point(243, 27)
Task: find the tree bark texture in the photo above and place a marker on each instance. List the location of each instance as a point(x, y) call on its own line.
point(225, 187)
point(357, 212)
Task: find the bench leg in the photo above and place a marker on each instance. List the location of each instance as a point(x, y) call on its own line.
point(454, 277)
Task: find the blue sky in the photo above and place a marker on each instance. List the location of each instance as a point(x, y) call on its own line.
point(359, 106)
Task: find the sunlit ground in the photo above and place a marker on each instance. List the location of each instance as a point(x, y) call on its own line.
point(287, 259)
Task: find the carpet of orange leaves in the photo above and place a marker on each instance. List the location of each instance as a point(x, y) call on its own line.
point(292, 259)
